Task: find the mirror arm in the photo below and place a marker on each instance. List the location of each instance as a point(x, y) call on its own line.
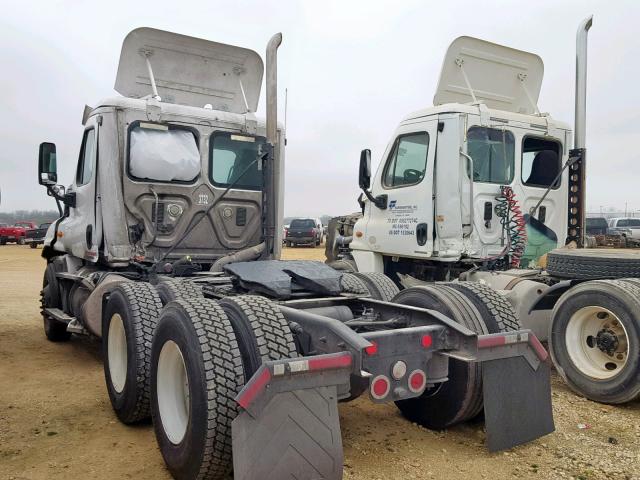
point(380, 201)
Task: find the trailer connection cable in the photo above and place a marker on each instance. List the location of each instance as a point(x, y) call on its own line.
point(513, 222)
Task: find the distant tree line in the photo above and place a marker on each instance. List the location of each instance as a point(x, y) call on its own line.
point(36, 216)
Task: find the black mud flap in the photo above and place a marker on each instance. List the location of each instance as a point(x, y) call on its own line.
point(289, 427)
point(517, 393)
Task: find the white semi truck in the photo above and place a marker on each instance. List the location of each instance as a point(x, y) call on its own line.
point(483, 187)
point(167, 248)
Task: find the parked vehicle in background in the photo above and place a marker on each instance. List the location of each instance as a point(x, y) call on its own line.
point(35, 236)
point(596, 226)
point(628, 227)
point(304, 231)
point(15, 233)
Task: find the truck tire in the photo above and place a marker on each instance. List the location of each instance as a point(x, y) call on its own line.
point(460, 397)
point(594, 340)
point(128, 323)
point(33, 245)
point(262, 332)
point(196, 372)
point(497, 312)
point(54, 330)
point(3, 240)
point(379, 285)
point(349, 283)
point(21, 241)
point(170, 289)
point(593, 264)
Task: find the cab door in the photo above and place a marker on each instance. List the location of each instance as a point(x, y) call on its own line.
point(79, 235)
point(405, 227)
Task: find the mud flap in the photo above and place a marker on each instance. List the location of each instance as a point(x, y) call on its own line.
point(289, 427)
point(517, 390)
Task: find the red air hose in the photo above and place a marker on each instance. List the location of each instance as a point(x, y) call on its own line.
point(512, 220)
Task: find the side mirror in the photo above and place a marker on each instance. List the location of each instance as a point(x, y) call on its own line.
point(364, 174)
point(47, 167)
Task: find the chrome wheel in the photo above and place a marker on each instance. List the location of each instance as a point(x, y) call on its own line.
point(117, 352)
point(597, 342)
point(173, 392)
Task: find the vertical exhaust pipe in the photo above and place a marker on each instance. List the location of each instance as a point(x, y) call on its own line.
point(577, 196)
point(272, 88)
point(579, 139)
point(269, 196)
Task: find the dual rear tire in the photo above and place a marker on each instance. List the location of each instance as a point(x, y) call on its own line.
point(483, 311)
point(184, 363)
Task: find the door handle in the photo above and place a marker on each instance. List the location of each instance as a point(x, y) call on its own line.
point(421, 233)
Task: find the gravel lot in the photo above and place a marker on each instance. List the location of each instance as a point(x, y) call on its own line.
point(56, 420)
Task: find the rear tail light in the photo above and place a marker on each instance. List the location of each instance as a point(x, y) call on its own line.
point(380, 387)
point(417, 381)
point(426, 341)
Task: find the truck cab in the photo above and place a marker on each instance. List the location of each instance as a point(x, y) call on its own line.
point(439, 196)
point(155, 162)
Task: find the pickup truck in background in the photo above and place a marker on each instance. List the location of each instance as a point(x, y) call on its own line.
point(304, 231)
point(628, 227)
point(15, 233)
point(35, 236)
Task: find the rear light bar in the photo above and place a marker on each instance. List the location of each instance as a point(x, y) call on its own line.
point(266, 373)
point(371, 349)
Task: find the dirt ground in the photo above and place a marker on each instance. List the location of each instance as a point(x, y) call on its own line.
point(56, 420)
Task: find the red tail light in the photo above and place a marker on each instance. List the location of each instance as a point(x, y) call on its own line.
point(371, 349)
point(426, 341)
point(417, 381)
point(380, 387)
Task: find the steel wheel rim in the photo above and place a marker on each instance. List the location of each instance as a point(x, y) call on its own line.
point(583, 347)
point(173, 392)
point(117, 351)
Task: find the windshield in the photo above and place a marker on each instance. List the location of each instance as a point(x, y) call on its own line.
point(231, 158)
point(163, 153)
point(302, 223)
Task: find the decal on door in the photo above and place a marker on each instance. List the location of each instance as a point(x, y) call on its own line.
point(402, 219)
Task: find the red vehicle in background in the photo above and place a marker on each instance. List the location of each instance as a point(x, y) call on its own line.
point(15, 233)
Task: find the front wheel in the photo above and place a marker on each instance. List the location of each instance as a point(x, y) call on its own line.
point(21, 241)
point(33, 245)
point(594, 340)
point(196, 371)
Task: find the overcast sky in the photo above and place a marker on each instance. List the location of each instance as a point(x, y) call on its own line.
point(353, 70)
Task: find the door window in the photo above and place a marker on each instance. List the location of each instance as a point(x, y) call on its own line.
point(492, 151)
point(408, 160)
point(87, 154)
point(540, 162)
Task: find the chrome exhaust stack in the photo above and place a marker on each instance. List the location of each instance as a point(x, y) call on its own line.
point(269, 196)
point(577, 196)
point(272, 88)
point(579, 138)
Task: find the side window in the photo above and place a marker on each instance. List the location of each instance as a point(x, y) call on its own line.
point(492, 151)
point(623, 223)
point(408, 160)
point(232, 161)
point(540, 162)
point(87, 154)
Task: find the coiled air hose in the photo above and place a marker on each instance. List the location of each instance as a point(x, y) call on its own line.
point(513, 224)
